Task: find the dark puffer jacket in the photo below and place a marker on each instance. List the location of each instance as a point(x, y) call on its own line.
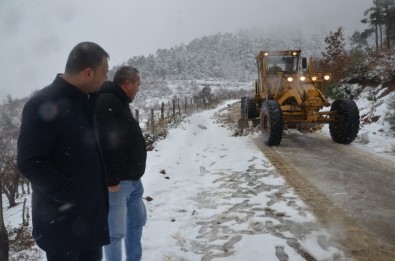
point(59, 154)
point(121, 138)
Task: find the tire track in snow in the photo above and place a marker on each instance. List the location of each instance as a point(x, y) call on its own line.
point(246, 203)
point(246, 218)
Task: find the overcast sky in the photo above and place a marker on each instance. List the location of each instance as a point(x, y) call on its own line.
point(37, 35)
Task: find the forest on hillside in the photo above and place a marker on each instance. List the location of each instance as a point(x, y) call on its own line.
point(223, 56)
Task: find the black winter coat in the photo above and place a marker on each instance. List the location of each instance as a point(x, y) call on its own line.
point(59, 154)
point(121, 138)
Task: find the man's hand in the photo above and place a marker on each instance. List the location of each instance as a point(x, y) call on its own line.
point(114, 188)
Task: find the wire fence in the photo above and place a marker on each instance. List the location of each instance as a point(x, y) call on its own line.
point(156, 126)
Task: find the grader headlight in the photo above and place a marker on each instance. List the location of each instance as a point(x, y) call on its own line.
point(290, 79)
point(302, 78)
point(327, 77)
point(314, 78)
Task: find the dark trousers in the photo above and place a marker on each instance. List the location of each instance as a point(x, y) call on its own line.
point(95, 254)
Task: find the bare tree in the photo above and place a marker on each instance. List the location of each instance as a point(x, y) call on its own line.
point(10, 178)
point(4, 248)
point(9, 129)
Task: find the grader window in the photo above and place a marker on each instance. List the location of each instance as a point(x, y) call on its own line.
point(275, 64)
point(282, 63)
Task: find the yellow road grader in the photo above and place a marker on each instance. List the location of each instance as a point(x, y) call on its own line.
point(288, 93)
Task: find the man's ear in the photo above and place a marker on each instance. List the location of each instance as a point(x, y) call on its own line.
point(125, 87)
point(131, 84)
point(88, 73)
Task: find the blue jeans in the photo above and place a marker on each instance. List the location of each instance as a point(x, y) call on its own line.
point(126, 218)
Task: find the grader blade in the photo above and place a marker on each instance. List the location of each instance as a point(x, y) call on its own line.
point(242, 124)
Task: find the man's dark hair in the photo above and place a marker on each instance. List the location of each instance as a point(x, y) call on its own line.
point(125, 73)
point(85, 55)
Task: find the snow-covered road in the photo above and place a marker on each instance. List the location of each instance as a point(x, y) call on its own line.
point(216, 197)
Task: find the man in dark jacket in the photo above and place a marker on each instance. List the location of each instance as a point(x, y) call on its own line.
point(59, 154)
point(124, 154)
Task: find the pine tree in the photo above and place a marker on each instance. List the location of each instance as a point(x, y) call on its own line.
point(374, 17)
point(359, 41)
point(389, 21)
point(381, 16)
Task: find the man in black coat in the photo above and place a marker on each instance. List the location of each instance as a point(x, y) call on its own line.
point(59, 154)
point(124, 154)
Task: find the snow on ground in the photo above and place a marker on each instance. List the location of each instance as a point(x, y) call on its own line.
point(219, 197)
point(215, 196)
point(181, 89)
point(376, 137)
point(375, 134)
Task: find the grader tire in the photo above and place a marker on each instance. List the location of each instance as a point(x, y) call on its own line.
point(345, 129)
point(271, 123)
point(251, 108)
point(243, 105)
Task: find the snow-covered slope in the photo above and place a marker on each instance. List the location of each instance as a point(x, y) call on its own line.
point(376, 135)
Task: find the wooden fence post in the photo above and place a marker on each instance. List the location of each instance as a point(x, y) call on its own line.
point(174, 108)
point(152, 122)
point(178, 105)
point(185, 105)
point(25, 214)
point(137, 115)
point(162, 112)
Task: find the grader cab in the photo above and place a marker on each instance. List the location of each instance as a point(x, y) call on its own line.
point(288, 93)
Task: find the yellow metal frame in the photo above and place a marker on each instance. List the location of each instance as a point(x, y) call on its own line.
point(300, 101)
